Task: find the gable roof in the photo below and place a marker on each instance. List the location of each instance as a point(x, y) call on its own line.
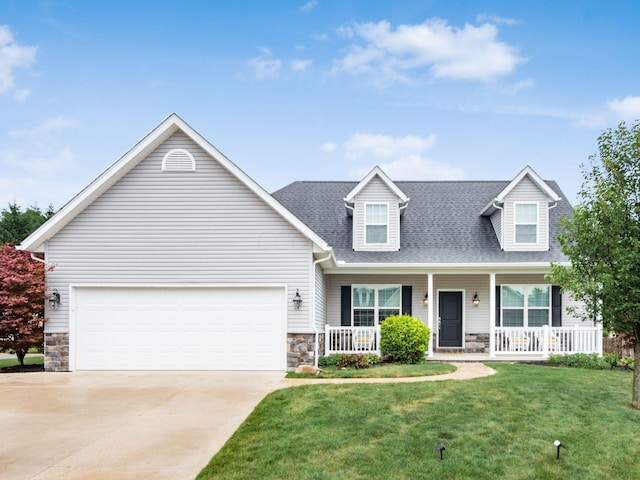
point(441, 226)
point(376, 171)
point(36, 241)
point(535, 178)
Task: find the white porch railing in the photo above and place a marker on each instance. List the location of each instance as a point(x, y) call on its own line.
point(548, 340)
point(351, 340)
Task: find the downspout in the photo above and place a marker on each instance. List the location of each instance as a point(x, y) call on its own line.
point(37, 259)
point(313, 307)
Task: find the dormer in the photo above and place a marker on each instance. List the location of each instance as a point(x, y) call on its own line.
point(376, 204)
point(520, 213)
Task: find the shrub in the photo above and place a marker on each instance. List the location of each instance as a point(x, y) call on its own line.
point(330, 360)
point(583, 360)
point(628, 362)
point(404, 339)
point(373, 358)
point(353, 361)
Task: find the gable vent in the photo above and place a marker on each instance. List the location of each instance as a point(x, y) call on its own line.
point(178, 160)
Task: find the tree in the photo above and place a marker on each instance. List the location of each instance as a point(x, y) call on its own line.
point(602, 239)
point(22, 297)
point(16, 225)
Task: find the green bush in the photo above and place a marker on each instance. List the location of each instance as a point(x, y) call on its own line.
point(584, 360)
point(628, 362)
point(353, 361)
point(373, 358)
point(330, 360)
point(404, 339)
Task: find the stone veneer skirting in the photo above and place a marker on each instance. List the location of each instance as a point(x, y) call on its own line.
point(473, 343)
point(56, 352)
point(300, 348)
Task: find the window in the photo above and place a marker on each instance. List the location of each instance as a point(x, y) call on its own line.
point(372, 304)
point(526, 222)
point(526, 306)
point(376, 223)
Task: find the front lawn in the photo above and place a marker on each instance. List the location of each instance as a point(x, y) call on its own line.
point(28, 360)
point(393, 370)
point(502, 426)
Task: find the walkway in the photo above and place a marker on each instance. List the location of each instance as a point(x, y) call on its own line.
point(464, 371)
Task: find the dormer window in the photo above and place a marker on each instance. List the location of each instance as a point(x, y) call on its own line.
point(526, 223)
point(377, 223)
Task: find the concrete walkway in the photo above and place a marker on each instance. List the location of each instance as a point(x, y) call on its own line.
point(464, 371)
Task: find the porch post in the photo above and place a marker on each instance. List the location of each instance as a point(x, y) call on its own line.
point(492, 314)
point(430, 312)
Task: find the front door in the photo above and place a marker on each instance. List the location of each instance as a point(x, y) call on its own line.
point(450, 315)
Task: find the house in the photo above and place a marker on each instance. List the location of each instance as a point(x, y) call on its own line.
point(174, 259)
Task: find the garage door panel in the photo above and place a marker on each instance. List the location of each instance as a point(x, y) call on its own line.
point(179, 328)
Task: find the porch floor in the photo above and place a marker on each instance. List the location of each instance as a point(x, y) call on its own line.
point(483, 357)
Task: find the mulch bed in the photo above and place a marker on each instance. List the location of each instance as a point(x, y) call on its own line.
point(22, 369)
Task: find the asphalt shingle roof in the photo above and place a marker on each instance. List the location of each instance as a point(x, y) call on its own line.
point(442, 223)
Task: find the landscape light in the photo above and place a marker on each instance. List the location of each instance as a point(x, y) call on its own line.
point(440, 448)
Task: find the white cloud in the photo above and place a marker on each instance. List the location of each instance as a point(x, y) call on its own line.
point(329, 147)
point(264, 66)
point(613, 112)
point(627, 108)
point(400, 157)
point(483, 18)
point(310, 5)
point(46, 163)
point(467, 53)
point(385, 146)
point(12, 57)
point(49, 125)
point(520, 85)
point(300, 65)
point(321, 37)
point(21, 95)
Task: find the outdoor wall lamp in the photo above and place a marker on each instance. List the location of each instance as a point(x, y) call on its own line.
point(476, 300)
point(426, 299)
point(440, 448)
point(558, 444)
point(297, 300)
point(54, 299)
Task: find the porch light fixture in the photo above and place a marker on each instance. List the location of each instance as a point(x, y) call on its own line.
point(54, 299)
point(297, 300)
point(476, 300)
point(425, 300)
point(440, 448)
point(558, 444)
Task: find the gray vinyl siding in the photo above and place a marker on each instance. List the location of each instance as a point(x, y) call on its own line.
point(376, 191)
point(569, 319)
point(496, 221)
point(321, 299)
point(202, 227)
point(526, 192)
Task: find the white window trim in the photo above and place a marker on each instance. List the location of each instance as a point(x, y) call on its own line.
point(516, 223)
point(525, 308)
point(367, 224)
point(376, 306)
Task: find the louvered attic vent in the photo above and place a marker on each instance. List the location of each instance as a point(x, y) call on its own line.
point(178, 160)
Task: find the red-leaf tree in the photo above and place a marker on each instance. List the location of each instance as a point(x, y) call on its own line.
point(22, 297)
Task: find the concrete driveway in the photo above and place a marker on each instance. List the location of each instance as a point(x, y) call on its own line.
point(124, 425)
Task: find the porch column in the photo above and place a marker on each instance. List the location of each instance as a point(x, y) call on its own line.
point(492, 314)
point(430, 312)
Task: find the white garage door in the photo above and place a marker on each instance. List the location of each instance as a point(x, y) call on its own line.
point(178, 328)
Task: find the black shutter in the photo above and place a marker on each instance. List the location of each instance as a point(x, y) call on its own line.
point(497, 305)
point(556, 306)
point(345, 305)
point(406, 300)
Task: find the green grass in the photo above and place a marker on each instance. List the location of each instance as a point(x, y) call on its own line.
point(502, 426)
point(28, 360)
point(381, 371)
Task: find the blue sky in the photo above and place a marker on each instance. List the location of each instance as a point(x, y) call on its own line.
point(314, 89)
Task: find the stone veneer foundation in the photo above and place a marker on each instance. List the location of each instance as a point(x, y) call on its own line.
point(300, 349)
point(56, 352)
point(473, 343)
